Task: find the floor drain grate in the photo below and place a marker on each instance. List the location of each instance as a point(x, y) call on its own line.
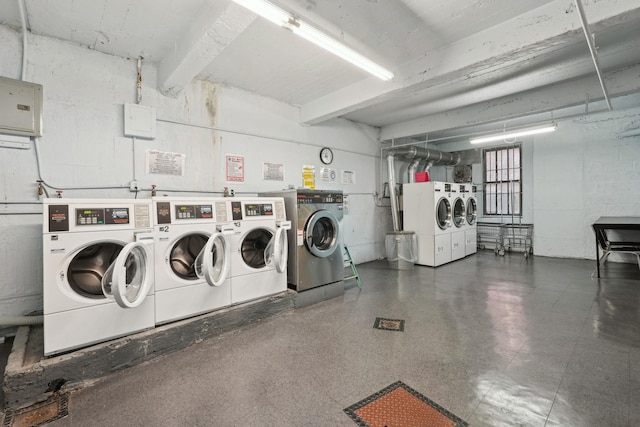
point(54, 408)
point(400, 405)
point(389, 324)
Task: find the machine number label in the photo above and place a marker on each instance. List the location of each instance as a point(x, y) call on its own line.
point(164, 229)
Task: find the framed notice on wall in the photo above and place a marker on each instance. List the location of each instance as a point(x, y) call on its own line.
point(165, 163)
point(234, 168)
point(272, 171)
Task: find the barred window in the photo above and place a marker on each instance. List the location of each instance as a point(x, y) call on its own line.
point(502, 180)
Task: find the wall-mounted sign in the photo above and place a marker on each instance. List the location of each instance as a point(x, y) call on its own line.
point(309, 177)
point(348, 177)
point(234, 168)
point(272, 171)
point(328, 175)
point(164, 163)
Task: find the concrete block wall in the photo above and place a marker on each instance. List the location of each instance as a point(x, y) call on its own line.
point(84, 151)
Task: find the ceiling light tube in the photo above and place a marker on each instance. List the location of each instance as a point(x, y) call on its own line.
point(514, 134)
point(285, 19)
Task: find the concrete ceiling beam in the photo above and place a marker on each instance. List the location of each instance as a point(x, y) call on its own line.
point(544, 30)
point(212, 31)
point(547, 99)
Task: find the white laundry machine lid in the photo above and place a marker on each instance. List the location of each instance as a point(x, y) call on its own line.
point(212, 263)
point(128, 278)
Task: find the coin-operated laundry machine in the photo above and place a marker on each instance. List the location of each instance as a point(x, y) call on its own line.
point(458, 220)
point(259, 248)
point(97, 271)
point(193, 261)
point(428, 212)
point(471, 215)
point(315, 243)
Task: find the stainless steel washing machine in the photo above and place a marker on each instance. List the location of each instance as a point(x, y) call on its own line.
point(315, 247)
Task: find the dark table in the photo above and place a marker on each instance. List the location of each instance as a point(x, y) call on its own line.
point(627, 228)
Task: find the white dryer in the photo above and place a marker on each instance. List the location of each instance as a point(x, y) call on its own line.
point(471, 216)
point(259, 247)
point(192, 256)
point(459, 221)
point(427, 212)
point(97, 271)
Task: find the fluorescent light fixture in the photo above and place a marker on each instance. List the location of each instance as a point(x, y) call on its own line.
point(514, 134)
point(289, 21)
point(629, 133)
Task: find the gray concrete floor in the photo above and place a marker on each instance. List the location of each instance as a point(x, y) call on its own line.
point(498, 341)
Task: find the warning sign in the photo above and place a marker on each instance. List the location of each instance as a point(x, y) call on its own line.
point(235, 168)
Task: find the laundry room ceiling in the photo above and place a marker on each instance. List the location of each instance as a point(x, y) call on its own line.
point(457, 63)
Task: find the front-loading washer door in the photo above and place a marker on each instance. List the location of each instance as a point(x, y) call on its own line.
point(212, 263)
point(277, 251)
point(458, 213)
point(443, 213)
point(472, 211)
point(87, 268)
point(253, 247)
point(128, 280)
point(181, 258)
point(321, 233)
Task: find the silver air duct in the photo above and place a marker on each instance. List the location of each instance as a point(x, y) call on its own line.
point(413, 167)
point(415, 154)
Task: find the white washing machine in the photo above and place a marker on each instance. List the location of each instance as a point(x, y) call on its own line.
point(97, 271)
point(258, 247)
point(471, 216)
point(192, 260)
point(458, 220)
point(428, 212)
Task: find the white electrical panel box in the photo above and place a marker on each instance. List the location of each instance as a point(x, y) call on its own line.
point(139, 121)
point(20, 107)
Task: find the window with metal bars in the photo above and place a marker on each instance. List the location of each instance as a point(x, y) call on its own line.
point(502, 180)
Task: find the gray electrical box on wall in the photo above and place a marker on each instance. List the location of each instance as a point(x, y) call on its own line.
point(20, 107)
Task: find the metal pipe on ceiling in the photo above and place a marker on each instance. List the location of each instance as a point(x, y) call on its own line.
point(592, 49)
point(415, 155)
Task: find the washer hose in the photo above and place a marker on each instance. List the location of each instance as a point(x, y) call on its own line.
point(21, 320)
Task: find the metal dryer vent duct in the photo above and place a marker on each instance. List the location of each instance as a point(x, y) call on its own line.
point(415, 155)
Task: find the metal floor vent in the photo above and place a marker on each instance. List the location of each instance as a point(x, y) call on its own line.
point(389, 324)
point(400, 405)
point(54, 408)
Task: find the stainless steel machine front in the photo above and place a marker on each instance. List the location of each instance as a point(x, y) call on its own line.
point(315, 247)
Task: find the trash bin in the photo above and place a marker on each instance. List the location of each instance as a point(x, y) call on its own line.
point(401, 249)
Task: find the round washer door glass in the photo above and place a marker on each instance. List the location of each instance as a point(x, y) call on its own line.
point(184, 253)
point(212, 263)
point(321, 233)
point(128, 279)
point(472, 211)
point(458, 213)
point(253, 247)
point(87, 268)
point(443, 211)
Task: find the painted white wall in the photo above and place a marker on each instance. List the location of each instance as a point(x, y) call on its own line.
point(573, 176)
point(83, 146)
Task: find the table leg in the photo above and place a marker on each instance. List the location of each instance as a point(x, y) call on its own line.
point(598, 258)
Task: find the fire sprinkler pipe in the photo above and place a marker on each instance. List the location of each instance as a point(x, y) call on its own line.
point(592, 49)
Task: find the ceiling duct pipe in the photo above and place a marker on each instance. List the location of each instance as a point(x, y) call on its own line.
point(413, 167)
point(432, 157)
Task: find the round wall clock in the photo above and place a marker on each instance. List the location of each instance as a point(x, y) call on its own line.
point(326, 155)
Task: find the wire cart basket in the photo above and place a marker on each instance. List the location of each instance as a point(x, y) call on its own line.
point(489, 233)
point(516, 236)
